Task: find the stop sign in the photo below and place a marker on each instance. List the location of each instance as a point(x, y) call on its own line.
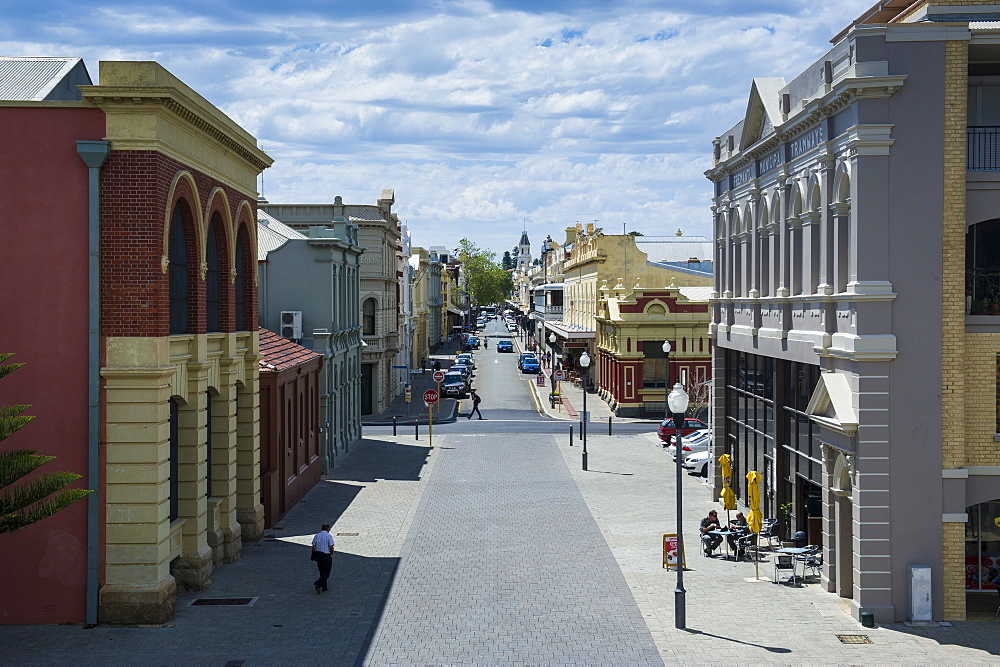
point(438, 376)
point(430, 397)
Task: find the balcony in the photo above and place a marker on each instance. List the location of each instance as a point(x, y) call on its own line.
point(982, 148)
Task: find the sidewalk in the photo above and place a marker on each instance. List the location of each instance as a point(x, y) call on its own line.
point(420, 381)
point(571, 400)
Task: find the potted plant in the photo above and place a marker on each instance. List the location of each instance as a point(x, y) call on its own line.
point(785, 512)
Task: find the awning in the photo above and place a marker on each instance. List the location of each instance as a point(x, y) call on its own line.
point(569, 331)
point(454, 311)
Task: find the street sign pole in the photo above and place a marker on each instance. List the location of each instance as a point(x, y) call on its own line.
point(430, 398)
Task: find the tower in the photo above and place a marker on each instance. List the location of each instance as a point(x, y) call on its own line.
point(523, 253)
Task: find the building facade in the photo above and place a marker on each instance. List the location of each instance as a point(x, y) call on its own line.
point(324, 318)
point(291, 443)
point(856, 357)
point(632, 325)
point(378, 233)
point(160, 186)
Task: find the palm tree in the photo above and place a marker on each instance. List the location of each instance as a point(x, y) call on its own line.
point(33, 500)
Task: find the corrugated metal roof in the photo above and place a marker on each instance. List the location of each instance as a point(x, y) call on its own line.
point(696, 293)
point(674, 248)
point(272, 234)
point(36, 79)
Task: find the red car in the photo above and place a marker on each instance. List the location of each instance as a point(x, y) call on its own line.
point(667, 430)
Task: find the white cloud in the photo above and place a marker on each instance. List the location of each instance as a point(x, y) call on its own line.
point(482, 116)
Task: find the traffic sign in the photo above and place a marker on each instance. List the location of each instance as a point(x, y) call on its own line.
point(560, 375)
point(438, 376)
point(430, 397)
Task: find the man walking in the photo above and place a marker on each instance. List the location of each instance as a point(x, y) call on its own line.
point(475, 406)
point(322, 546)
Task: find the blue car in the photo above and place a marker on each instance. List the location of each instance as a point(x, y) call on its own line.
point(530, 365)
point(505, 346)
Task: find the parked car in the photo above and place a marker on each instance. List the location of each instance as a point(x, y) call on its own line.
point(466, 371)
point(667, 429)
point(511, 327)
point(467, 355)
point(472, 343)
point(697, 463)
point(464, 363)
point(455, 384)
point(698, 441)
point(505, 346)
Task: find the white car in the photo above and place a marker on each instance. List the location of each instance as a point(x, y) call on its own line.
point(699, 441)
point(697, 463)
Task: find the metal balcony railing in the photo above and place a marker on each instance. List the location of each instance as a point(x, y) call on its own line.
point(982, 148)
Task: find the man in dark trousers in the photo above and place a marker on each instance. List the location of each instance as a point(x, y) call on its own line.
point(322, 546)
point(475, 406)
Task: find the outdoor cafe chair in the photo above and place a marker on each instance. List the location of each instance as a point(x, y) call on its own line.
point(814, 562)
point(784, 562)
point(770, 532)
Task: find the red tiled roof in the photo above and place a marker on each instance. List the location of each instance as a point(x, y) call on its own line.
point(280, 353)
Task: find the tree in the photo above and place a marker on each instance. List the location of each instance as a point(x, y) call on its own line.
point(507, 262)
point(487, 281)
point(633, 233)
point(30, 501)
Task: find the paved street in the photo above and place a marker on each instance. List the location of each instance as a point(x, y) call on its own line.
point(494, 547)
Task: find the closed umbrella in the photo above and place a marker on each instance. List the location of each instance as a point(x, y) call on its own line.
point(728, 498)
point(755, 521)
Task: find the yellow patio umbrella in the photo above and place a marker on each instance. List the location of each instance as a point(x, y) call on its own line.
point(754, 522)
point(728, 498)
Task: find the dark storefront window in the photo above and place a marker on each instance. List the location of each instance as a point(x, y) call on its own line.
point(213, 296)
point(178, 273)
point(768, 430)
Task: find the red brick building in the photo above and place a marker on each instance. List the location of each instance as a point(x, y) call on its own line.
point(157, 406)
point(291, 457)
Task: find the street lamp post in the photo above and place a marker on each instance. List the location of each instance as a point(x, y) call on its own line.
point(552, 344)
point(584, 363)
point(677, 402)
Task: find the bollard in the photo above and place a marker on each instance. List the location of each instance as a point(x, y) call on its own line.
point(868, 619)
point(571, 436)
point(394, 426)
point(416, 429)
point(609, 425)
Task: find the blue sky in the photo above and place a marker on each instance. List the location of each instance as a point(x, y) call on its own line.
point(483, 117)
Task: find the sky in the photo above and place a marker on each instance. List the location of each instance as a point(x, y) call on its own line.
point(485, 118)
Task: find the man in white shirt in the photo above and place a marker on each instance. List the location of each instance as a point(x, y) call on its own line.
point(322, 546)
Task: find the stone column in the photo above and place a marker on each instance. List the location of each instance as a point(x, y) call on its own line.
point(249, 510)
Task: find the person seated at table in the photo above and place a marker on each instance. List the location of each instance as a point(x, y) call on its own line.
point(710, 523)
point(738, 526)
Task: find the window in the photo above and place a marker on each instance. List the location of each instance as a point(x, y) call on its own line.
point(982, 268)
point(368, 314)
point(242, 276)
point(212, 291)
point(178, 273)
point(174, 510)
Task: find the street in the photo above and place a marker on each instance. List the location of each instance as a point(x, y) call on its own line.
point(494, 547)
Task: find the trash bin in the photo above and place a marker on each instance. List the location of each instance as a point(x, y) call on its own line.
point(800, 538)
point(868, 619)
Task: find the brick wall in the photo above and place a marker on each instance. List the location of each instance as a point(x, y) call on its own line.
point(136, 199)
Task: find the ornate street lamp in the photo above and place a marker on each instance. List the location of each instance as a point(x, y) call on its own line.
point(677, 403)
point(584, 364)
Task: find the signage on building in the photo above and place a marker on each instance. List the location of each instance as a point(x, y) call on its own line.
point(806, 142)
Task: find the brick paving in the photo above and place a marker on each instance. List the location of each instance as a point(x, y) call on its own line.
point(492, 549)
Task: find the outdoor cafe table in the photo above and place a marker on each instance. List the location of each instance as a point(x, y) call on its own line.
point(795, 552)
point(724, 534)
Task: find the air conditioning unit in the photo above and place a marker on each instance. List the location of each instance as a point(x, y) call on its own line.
point(291, 324)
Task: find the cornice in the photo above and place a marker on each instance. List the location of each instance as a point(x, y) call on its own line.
point(841, 95)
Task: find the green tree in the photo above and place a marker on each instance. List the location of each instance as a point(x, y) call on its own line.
point(486, 281)
point(507, 262)
point(635, 234)
point(30, 501)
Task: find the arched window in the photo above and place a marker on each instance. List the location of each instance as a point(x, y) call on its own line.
point(368, 313)
point(982, 267)
point(243, 274)
point(178, 273)
point(212, 287)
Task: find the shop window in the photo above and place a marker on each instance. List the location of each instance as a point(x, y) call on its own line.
point(982, 547)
